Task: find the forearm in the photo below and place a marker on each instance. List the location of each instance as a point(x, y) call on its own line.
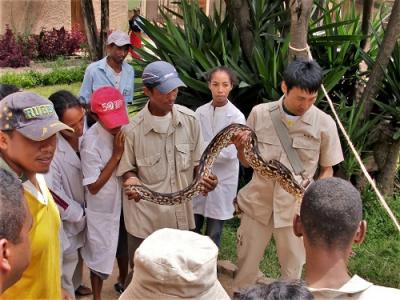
point(242, 159)
point(105, 175)
point(325, 172)
point(128, 175)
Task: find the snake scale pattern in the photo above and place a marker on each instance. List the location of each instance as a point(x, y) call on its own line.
point(272, 169)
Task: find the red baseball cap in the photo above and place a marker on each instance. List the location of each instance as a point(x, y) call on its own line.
point(109, 105)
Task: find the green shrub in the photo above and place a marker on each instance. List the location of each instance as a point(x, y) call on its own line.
point(32, 79)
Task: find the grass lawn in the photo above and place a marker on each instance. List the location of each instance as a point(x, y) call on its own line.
point(377, 259)
point(46, 91)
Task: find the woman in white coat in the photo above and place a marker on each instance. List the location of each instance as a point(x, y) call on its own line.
point(65, 181)
point(217, 206)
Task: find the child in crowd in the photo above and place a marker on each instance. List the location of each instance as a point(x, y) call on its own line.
point(101, 151)
point(65, 182)
point(217, 206)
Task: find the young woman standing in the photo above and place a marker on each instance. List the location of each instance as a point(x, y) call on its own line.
point(217, 206)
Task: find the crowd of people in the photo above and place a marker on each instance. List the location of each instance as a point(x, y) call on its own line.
point(66, 164)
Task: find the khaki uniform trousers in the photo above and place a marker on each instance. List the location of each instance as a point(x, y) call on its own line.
point(252, 239)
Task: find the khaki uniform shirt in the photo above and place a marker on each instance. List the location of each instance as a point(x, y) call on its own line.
point(356, 289)
point(316, 140)
point(164, 163)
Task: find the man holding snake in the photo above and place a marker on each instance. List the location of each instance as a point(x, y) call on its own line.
point(267, 209)
point(163, 145)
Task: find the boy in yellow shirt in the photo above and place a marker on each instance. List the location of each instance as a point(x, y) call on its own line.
point(28, 127)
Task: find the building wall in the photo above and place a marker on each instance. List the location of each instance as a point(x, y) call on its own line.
point(30, 16)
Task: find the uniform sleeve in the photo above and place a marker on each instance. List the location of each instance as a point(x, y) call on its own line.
point(74, 212)
point(86, 87)
point(251, 119)
point(128, 159)
point(199, 145)
point(91, 163)
point(331, 150)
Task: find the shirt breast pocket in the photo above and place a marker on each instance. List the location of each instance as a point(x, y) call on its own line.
point(308, 149)
point(183, 156)
point(150, 168)
point(269, 147)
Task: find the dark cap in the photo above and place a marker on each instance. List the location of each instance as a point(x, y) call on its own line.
point(161, 75)
point(31, 115)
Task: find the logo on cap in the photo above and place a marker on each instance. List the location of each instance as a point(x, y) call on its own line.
point(38, 111)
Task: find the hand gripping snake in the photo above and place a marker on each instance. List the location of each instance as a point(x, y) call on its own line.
point(272, 169)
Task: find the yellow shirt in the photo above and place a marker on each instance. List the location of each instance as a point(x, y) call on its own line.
point(42, 278)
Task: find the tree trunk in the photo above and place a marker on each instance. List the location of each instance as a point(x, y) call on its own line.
point(377, 74)
point(300, 11)
point(386, 154)
point(90, 28)
point(105, 23)
point(240, 11)
point(365, 45)
point(366, 22)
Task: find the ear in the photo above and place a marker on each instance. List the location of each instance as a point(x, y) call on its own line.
point(297, 226)
point(4, 256)
point(147, 91)
point(360, 233)
point(284, 87)
point(4, 140)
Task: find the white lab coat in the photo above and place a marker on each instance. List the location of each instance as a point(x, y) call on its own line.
point(219, 203)
point(65, 179)
point(104, 208)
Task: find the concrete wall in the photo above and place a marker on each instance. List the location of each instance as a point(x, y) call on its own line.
point(29, 16)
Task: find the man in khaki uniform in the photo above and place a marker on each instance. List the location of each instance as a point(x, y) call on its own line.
point(268, 209)
point(163, 145)
point(330, 204)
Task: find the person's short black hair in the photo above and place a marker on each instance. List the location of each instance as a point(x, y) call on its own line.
point(12, 208)
point(63, 100)
point(278, 290)
point(7, 89)
point(330, 212)
point(303, 74)
point(232, 75)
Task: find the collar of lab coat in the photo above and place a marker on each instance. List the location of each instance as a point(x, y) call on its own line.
point(67, 151)
point(207, 112)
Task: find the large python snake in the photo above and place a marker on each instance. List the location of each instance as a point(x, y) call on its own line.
point(272, 169)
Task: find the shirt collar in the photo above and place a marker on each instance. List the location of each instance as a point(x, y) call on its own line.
point(147, 121)
point(354, 286)
point(306, 118)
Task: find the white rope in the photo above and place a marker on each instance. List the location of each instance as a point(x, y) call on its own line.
point(357, 156)
point(307, 48)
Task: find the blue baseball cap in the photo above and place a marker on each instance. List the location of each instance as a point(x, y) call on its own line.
point(161, 75)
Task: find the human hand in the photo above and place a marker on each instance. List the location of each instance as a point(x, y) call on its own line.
point(118, 145)
point(65, 295)
point(131, 193)
point(240, 139)
point(208, 183)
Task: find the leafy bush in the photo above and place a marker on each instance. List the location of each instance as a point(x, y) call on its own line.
point(13, 51)
point(57, 42)
point(32, 78)
point(18, 50)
